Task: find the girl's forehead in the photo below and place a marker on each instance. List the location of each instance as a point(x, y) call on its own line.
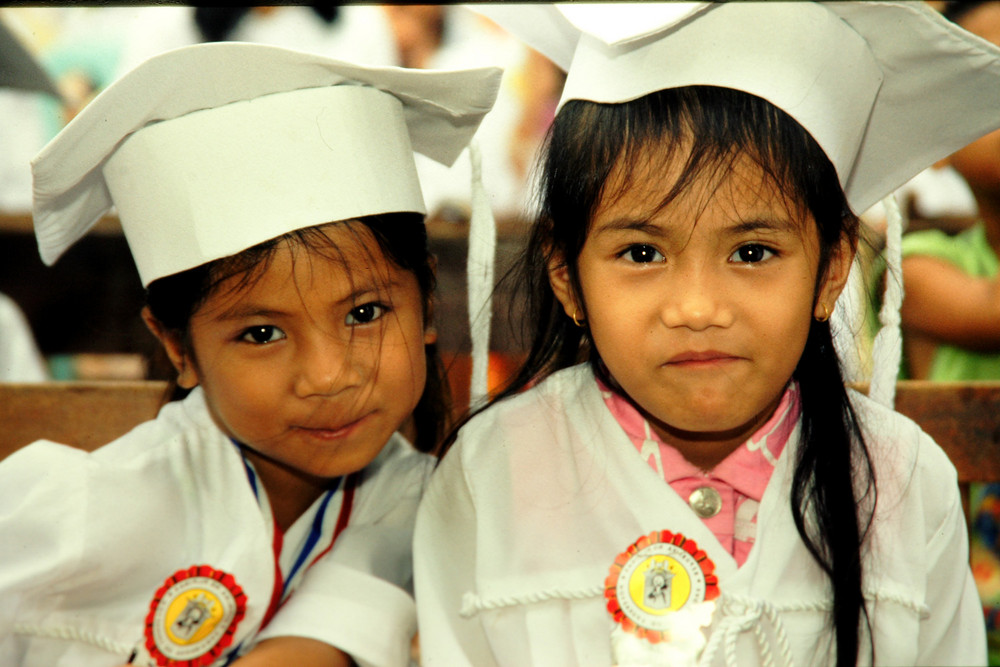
point(346, 243)
point(345, 234)
point(664, 179)
point(345, 249)
point(334, 257)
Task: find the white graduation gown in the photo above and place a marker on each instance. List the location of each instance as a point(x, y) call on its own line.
point(86, 541)
point(525, 515)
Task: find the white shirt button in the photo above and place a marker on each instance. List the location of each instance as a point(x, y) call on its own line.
point(705, 501)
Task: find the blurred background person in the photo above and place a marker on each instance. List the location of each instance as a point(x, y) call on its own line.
point(355, 32)
point(22, 81)
point(20, 359)
point(951, 310)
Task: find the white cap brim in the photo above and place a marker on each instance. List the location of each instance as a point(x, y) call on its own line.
point(210, 149)
point(885, 88)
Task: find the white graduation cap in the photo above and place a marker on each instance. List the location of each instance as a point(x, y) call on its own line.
point(210, 149)
point(885, 88)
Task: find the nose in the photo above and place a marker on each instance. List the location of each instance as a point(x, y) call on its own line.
point(696, 300)
point(326, 367)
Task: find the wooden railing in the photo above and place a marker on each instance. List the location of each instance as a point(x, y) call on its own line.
point(82, 414)
point(963, 417)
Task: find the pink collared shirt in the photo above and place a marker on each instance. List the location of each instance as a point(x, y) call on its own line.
point(739, 479)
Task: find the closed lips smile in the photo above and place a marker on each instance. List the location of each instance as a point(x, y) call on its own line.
point(707, 357)
point(331, 432)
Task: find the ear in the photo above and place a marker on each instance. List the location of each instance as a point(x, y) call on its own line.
point(430, 334)
point(187, 373)
point(837, 271)
point(561, 284)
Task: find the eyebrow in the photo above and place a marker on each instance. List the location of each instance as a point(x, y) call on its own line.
point(755, 224)
point(244, 312)
point(763, 224)
point(630, 225)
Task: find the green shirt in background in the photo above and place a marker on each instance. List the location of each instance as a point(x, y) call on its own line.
point(970, 252)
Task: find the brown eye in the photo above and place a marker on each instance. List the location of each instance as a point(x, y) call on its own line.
point(643, 254)
point(751, 253)
point(262, 335)
point(366, 313)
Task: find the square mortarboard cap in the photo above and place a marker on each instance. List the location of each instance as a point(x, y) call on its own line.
point(885, 88)
point(210, 149)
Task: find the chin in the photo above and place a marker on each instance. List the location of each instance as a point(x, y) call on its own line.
point(709, 420)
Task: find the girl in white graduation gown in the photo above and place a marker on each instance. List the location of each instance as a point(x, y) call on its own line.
point(271, 204)
point(703, 488)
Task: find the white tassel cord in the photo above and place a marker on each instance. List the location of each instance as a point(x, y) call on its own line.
point(738, 615)
point(479, 268)
point(887, 349)
point(847, 323)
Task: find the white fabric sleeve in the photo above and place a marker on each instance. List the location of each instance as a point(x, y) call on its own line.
point(362, 615)
point(444, 562)
point(42, 505)
point(955, 631)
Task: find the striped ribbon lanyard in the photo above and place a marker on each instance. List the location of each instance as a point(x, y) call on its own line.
point(282, 583)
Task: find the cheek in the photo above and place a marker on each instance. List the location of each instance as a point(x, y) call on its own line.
point(611, 307)
point(403, 360)
point(782, 339)
point(411, 367)
point(785, 317)
point(244, 410)
point(614, 332)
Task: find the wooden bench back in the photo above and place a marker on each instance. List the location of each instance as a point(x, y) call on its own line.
point(82, 414)
point(964, 418)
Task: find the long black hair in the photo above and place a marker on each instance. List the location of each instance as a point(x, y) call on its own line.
point(402, 238)
point(833, 490)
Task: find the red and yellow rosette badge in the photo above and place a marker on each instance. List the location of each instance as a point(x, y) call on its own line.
point(193, 617)
point(659, 574)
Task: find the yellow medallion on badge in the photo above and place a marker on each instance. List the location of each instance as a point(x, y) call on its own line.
point(193, 617)
point(660, 573)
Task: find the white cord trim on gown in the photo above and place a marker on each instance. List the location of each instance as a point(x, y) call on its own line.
point(472, 604)
point(479, 268)
point(73, 634)
point(737, 614)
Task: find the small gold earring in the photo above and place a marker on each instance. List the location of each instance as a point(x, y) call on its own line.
point(826, 314)
point(576, 320)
